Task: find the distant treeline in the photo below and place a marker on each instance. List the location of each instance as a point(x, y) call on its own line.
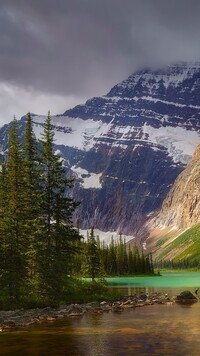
point(177, 264)
point(116, 259)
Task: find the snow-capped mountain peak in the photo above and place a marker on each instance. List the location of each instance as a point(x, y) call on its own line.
point(127, 147)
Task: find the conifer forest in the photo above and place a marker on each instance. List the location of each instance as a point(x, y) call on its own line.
point(40, 248)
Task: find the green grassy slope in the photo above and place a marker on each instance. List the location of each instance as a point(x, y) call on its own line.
point(185, 246)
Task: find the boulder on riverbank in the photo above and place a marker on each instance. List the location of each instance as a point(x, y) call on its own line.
point(186, 297)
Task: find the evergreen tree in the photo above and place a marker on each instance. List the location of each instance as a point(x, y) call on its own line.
point(151, 263)
point(93, 264)
point(58, 237)
point(130, 260)
point(143, 264)
point(125, 258)
point(112, 258)
point(33, 193)
point(13, 217)
point(3, 222)
point(136, 259)
point(104, 257)
point(120, 256)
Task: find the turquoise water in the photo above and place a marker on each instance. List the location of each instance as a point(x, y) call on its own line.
point(167, 280)
point(153, 330)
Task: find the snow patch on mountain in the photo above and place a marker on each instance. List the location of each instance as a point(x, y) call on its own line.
point(72, 132)
point(84, 134)
point(88, 180)
point(173, 139)
point(93, 181)
point(115, 99)
point(79, 171)
point(107, 236)
point(155, 100)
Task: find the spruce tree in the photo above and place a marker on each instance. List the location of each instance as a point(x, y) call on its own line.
point(120, 256)
point(130, 260)
point(112, 257)
point(125, 263)
point(136, 259)
point(3, 223)
point(13, 217)
point(58, 236)
point(33, 194)
point(93, 264)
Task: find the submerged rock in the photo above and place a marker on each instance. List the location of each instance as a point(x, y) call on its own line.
point(117, 307)
point(75, 310)
point(143, 297)
point(105, 306)
point(186, 297)
point(8, 324)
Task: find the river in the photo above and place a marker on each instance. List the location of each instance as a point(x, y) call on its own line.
point(152, 330)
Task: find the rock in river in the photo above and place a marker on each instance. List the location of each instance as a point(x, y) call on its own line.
point(186, 297)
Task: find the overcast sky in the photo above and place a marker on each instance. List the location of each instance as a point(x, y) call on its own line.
point(55, 54)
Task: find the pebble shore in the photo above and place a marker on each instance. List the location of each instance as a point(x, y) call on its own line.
point(24, 318)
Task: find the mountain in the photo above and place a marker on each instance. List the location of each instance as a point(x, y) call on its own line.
point(184, 247)
point(181, 207)
point(174, 231)
point(126, 148)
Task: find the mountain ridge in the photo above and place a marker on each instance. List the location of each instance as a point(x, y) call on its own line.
point(181, 207)
point(171, 230)
point(126, 148)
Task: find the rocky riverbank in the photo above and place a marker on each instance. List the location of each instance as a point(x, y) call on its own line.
point(25, 318)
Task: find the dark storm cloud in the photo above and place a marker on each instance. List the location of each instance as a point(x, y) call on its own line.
point(82, 47)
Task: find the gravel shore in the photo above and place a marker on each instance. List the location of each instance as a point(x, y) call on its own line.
point(24, 318)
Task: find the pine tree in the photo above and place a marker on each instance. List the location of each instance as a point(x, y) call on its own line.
point(125, 258)
point(93, 264)
point(151, 270)
point(120, 256)
point(3, 223)
point(58, 237)
point(13, 217)
point(136, 259)
point(144, 267)
point(33, 194)
point(130, 260)
point(112, 258)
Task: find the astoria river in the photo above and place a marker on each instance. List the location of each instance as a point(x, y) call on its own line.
point(152, 330)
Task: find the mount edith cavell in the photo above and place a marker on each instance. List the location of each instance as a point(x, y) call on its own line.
point(127, 148)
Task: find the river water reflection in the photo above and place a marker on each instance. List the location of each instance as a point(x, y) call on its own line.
point(153, 330)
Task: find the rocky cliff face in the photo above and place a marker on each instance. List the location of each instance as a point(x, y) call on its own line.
point(126, 148)
point(181, 207)
point(173, 233)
